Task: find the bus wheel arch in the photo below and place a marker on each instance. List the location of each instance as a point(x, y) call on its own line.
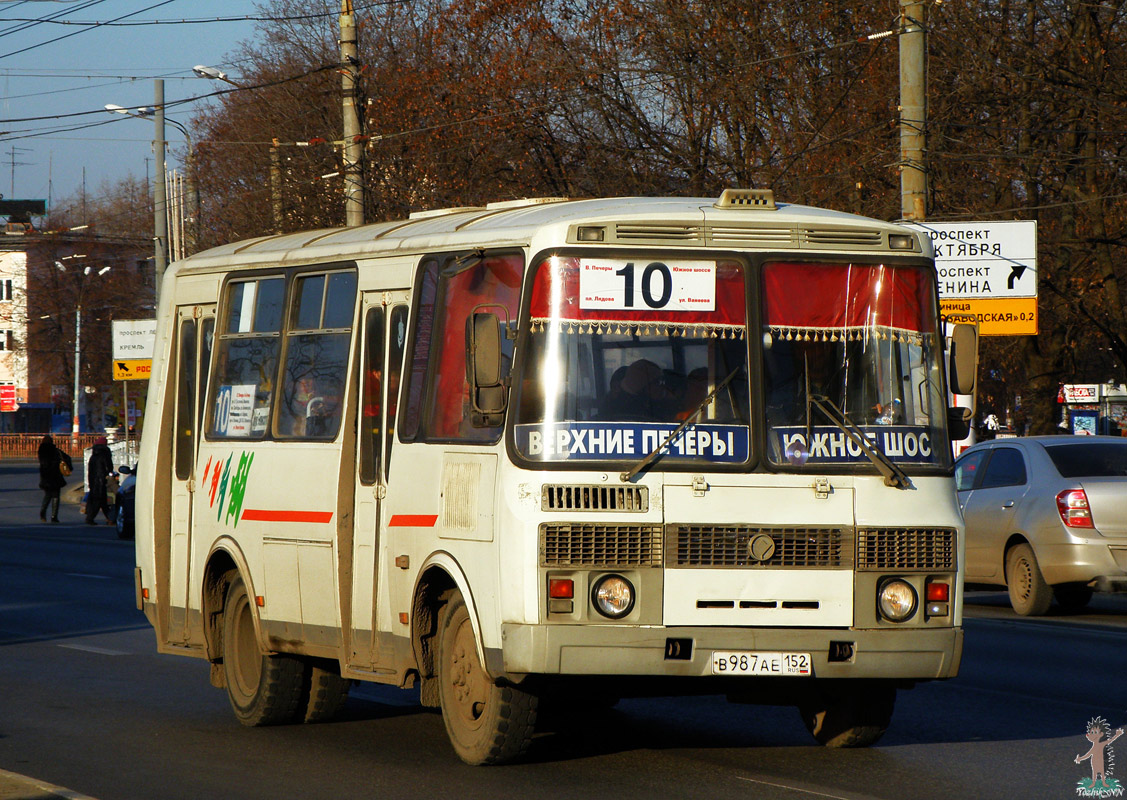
point(223, 566)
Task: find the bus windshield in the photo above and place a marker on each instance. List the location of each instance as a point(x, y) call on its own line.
point(861, 338)
point(623, 350)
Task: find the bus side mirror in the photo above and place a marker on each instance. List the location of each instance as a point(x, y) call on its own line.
point(964, 359)
point(958, 422)
point(483, 369)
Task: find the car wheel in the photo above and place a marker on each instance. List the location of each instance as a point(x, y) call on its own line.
point(1072, 597)
point(119, 523)
point(1030, 596)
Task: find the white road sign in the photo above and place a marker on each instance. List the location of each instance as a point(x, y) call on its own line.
point(134, 338)
point(984, 259)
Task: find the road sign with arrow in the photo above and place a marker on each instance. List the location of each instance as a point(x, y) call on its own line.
point(987, 270)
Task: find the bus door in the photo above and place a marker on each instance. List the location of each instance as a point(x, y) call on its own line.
point(195, 331)
point(384, 332)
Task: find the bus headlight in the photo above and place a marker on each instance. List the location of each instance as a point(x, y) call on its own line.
point(613, 596)
point(897, 600)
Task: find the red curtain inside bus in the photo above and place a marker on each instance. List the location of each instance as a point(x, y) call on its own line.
point(820, 299)
point(555, 297)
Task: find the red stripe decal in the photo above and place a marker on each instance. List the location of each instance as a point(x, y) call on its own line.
point(412, 520)
point(266, 515)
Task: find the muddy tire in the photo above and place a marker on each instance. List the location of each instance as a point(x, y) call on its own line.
point(263, 689)
point(326, 693)
point(1072, 596)
point(848, 715)
point(486, 723)
point(1030, 596)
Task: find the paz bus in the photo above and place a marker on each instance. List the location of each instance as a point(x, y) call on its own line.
point(555, 451)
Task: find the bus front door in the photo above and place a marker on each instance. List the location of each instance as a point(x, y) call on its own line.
point(384, 331)
point(195, 329)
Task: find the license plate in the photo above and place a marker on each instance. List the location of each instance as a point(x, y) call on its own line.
point(755, 662)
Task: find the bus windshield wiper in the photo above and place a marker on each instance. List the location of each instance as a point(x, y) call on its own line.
point(893, 474)
point(625, 477)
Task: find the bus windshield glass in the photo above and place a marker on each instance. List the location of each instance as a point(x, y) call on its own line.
point(861, 338)
point(623, 350)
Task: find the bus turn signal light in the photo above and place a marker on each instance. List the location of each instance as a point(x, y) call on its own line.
point(561, 588)
point(938, 593)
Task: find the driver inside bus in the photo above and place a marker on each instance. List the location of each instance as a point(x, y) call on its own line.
point(640, 396)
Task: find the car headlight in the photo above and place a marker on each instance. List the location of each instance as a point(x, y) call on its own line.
point(897, 600)
point(613, 596)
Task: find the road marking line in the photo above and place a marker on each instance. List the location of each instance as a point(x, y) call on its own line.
point(792, 788)
point(91, 649)
point(87, 575)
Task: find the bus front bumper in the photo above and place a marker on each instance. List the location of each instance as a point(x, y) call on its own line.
point(886, 653)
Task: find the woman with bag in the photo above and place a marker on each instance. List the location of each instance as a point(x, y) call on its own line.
point(54, 466)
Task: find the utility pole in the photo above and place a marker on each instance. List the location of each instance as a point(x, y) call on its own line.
point(276, 187)
point(913, 111)
point(160, 194)
point(353, 148)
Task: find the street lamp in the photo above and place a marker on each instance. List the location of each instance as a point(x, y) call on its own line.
point(213, 74)
point(61, 267)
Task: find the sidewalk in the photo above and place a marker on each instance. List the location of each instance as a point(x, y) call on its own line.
point(20, 787)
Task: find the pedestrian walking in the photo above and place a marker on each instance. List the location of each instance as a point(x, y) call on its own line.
point(98, 470)
point(54, 466)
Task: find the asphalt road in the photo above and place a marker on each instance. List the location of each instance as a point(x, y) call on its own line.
point(87, 703)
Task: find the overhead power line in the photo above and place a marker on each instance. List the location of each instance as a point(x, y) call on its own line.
point(119, 23)
point(84, 30)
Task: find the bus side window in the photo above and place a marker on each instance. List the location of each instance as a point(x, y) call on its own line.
point(185, 399)
point(247, 360)
point(494, 280)
point(397, 346)
point(318, 340)
point(371, 396)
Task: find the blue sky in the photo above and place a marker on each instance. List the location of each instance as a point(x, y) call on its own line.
point(94, 66)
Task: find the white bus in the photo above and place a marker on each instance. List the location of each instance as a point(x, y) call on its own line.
point(558, 451)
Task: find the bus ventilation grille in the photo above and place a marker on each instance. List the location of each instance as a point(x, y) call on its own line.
point(745, 547)
point(906, 549)
point(578, 497)
point(590, 545)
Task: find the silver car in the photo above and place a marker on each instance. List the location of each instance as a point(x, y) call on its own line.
point(1046, 516)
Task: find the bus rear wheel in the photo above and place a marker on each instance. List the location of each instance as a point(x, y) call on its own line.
point(326, 693)
point(263, 689)
point(486, 723)
point(848, 715)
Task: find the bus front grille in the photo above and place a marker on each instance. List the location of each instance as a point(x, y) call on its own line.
point(593, 545)
point(593, 497)
point(752, 547)
point(906, 549)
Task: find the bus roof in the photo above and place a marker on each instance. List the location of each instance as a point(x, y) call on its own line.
point(740, 219)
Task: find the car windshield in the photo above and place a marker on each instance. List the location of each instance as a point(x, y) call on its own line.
point(622, 351)
point(862, 339)
point(1089, 459)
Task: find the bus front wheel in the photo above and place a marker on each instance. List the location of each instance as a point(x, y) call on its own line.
point(486, 723)
point(263, 689)
point(848, 715)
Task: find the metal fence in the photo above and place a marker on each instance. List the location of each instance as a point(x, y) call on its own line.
point(26, 445)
